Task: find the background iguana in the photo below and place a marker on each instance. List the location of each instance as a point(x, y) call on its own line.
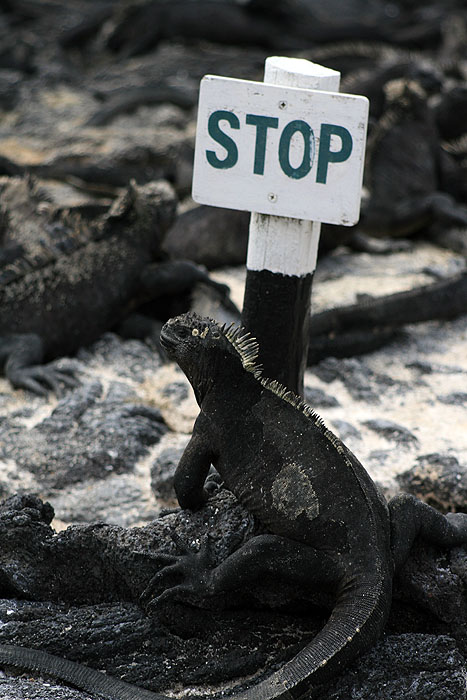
point(327, 525)
point(79, 280)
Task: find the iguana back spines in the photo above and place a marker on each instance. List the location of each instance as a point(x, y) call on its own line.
point(184, 333)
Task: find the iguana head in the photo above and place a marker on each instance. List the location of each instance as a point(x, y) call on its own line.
point(205, 350)
point(142, 212)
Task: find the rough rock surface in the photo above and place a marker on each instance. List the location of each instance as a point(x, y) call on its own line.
point(87, 118)
point(90, 578)
point(104, 455)
point(439, 480)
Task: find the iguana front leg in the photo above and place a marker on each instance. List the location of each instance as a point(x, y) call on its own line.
point(21, 355)
point(193, 468)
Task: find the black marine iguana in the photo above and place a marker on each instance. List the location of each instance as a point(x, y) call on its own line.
point(408, 174)
point(349, 330)
point(84, 280)
point(327, 525)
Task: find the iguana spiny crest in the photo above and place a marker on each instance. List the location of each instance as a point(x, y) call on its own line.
point(188, 333)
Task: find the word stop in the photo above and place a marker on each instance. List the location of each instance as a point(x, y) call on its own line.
point(297, 128)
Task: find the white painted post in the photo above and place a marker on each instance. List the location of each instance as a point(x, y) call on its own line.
point(282, 256)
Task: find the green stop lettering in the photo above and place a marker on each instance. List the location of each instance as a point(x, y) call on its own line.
point(293, 127)
point(262, 126)
point(216, 133)
point(325, 155)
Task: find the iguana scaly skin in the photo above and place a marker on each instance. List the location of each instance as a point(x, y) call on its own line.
point(85, 280)
point(327, 524)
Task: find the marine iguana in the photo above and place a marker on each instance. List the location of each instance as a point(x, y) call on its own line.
point(80, 279)
point(357, 328)
point(406, 170)
point(326, 523)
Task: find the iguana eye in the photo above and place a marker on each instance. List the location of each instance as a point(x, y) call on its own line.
point(183, 332)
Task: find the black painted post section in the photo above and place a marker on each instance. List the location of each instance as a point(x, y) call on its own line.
point(282, 251)
point(276, 310)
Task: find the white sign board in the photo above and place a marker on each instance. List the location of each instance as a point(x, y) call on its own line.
point(280, 150)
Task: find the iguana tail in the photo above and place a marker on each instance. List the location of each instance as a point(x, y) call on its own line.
point(76, 674)
point(356, 622)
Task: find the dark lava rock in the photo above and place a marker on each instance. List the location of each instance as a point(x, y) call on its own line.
point(346, 430)
point(91, 578)
point(100, 562)
point(87, 436)
point(457, 398)
point(352, 373)
point(317, 397)
point(379, 456)
point(176, 390)
point(31, 689)
point(77, 594)
point(214, 647)
point(131, 359)
point(89, 635)
point(107, 637)
point(426, 367)
point(359, 380)
point(439, 480)
point(430, 593)
point(391, 431)
point(405, 667)
point(162, 473)
point(118, 500)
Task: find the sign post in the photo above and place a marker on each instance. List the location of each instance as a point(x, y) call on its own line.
point(290, 150)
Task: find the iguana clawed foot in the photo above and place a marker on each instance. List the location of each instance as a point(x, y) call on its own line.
point(182, 576)
point(41, 379)
point(21, 355)
point(213, 483)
